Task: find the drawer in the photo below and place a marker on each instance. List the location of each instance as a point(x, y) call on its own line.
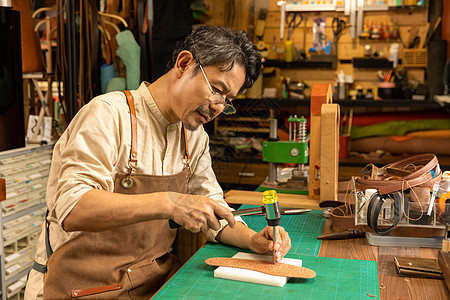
point(241, 173)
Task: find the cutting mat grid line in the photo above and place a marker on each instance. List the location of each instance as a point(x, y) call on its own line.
point(336, 279)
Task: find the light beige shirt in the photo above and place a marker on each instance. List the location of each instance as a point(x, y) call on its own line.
point(96, 146)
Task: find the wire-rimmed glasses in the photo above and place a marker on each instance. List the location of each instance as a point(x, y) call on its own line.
point(216, 98)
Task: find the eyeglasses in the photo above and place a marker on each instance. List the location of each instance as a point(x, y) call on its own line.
point(217, 98)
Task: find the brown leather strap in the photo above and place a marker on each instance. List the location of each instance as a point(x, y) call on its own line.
point(186, 151)
point(420, 177)
point(133, 154)
point(96, 290)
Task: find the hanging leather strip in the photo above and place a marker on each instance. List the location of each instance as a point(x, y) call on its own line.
point(386, 182)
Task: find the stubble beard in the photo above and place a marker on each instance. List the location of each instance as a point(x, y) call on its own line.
point(204, 111)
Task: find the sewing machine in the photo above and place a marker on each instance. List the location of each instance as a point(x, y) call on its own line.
point(295, 151)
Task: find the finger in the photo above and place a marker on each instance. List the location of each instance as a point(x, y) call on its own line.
point(285, 246)
point(226, 214)
point(213, 223)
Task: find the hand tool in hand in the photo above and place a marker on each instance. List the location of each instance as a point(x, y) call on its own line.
point(257, 211)
point(273, 216)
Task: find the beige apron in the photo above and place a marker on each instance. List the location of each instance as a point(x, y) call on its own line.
point(131, 262)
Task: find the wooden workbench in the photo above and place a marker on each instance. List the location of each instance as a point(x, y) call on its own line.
point(392, 285)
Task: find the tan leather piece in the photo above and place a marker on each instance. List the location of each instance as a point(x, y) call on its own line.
point(267, 267)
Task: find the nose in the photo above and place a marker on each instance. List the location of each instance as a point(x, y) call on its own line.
point(217, 106)
point(215, 109)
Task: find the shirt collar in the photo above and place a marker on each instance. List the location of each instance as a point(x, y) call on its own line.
point(151, 104)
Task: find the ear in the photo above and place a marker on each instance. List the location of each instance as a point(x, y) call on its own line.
point(184, 60)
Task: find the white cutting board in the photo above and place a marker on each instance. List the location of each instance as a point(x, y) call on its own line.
point(254, 276)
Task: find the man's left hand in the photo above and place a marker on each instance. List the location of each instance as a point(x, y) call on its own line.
point(262, 242)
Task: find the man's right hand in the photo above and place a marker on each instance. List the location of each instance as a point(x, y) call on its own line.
point(198, 213)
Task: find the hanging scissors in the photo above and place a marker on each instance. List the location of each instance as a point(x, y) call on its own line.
point(293, 19)
point(338, 27)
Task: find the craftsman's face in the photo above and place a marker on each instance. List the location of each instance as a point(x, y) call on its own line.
point(197, 106)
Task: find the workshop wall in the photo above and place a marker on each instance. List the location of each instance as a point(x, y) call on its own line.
point(410, 22)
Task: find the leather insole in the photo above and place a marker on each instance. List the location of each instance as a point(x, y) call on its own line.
point(267, 267)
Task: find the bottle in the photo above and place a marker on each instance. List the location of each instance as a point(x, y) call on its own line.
point(395, 32)
point(393, 54)
point(369, 95)
point(359, 95)
point(365, 34)
point(375, 34)
point(341, 86)
point(381, 28)
point(288, 51)
point(387, 32)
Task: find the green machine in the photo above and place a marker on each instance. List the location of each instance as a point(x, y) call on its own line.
point(294, 151)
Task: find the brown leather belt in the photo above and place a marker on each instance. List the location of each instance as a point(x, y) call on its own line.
point(401, 175)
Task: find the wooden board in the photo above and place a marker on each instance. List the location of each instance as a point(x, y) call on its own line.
point(285, 200)
point(329, 154)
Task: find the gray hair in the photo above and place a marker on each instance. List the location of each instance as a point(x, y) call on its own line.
point(222, 47)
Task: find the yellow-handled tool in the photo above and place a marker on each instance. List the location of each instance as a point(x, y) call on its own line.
point(272, 210)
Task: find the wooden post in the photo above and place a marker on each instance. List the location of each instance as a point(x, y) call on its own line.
point(320, 94)
point(329, 154)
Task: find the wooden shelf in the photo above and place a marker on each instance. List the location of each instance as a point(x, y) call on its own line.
point(305, 64)
point(353, 103)
point(243, 129)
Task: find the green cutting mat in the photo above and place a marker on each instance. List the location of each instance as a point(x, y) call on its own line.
point(336, 279)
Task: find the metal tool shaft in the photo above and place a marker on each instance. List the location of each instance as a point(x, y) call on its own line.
point(274, 239)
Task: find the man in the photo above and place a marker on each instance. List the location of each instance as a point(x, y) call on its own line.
point(129, 162)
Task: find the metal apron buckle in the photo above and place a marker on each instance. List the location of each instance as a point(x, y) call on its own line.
point(128, 182)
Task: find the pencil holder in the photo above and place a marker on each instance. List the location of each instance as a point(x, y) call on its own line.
point(386, 90)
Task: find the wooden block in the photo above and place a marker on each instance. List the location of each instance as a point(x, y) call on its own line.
point(320, 94)
point(444, 264)
point(445, 245)
point(2, 189)
point(329, 154)
point(285, 200)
